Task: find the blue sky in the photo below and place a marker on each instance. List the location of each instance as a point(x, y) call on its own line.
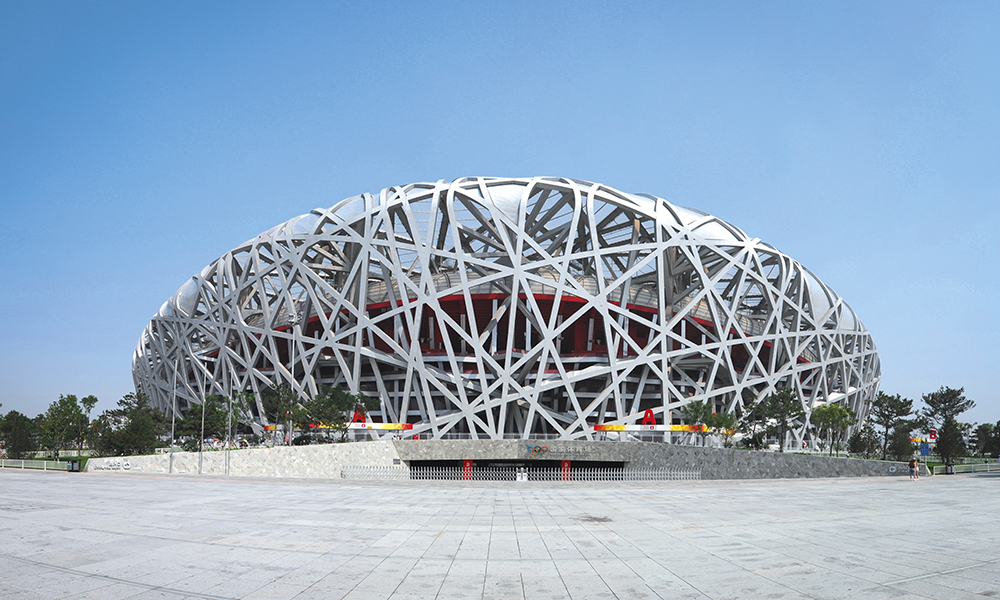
point(140, 141)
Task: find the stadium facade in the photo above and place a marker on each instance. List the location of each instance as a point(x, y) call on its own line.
point(495, 307)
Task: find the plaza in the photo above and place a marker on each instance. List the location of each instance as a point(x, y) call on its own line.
point(101, 535)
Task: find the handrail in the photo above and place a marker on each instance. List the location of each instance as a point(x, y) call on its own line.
point(450, 473)
point(968, 468)
point(45, 465)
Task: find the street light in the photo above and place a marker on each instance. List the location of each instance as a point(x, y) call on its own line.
point(294, 320)
point(173, 414)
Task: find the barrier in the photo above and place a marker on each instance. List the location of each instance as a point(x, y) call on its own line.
point(45, 465)
point(969, 468)
point(401, 473)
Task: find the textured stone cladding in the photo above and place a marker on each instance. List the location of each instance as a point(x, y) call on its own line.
point(714, 463)
point(322, 461)
point(327, 460)
point(515, 450)
point(731, 463)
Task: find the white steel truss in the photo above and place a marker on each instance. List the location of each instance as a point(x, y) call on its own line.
point(497, 307)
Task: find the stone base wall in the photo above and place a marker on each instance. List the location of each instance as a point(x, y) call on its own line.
point(516, 450)
point(323, 461)
point(327, 460)
point(732, 463)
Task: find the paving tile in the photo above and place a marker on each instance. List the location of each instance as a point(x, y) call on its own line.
point(258, 538)
point(276, 590)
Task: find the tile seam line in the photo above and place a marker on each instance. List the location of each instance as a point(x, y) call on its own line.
point(946, 572)
point(657, 561)
point(146, 586)
point(610, 532)
point(823, 566)
point(664, 566)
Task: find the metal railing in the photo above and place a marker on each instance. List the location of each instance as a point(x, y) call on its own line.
point(968, 468)
point(967, 460)
point(506, 436)
point(45, 465)
point(400, 473)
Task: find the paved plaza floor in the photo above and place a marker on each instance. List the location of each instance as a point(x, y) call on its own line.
point(92, 535)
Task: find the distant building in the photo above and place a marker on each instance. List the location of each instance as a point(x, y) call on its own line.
point(492, 307)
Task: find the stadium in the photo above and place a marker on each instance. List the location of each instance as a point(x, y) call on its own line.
point(496, 308)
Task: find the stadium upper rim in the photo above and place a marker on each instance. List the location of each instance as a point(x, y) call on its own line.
point(815, 325)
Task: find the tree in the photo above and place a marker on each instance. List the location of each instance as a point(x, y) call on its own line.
point(722, 425)
point(944, 403)
point(752, 423)
point(213, 414)
point(833, 418)
point(83, 428)
point(950, 443)
point(941, 413)
point(278, 402)
point(239, 412)
point(900, 446)
point(697, 413)
point(783, 408)
point(864, 442)
point(886, 412)
point(127, 430)
point(333, 407)
point(61, 423)
point(993, 444)
point(981, 439)
point(19, 435)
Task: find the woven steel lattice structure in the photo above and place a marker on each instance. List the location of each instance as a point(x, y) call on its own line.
point(509, 308)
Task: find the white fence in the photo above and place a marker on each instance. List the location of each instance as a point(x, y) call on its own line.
point(45, 465)
point(973, 468)
point(970, 460)
point(511, 474)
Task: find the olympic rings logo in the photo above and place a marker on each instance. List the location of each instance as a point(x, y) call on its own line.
point(536, 450)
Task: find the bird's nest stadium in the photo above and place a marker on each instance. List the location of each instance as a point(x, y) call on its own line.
point(509, 308)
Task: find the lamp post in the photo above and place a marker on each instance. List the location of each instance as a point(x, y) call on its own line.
point(201, 439)
point(229, 429)
point(294, 320)
point(173, 415)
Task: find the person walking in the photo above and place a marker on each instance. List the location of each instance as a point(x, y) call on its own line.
point(914, 470)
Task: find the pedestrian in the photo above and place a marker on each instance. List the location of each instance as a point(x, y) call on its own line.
point(914, 470)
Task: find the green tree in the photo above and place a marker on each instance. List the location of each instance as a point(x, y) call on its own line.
point(752, 422)
point(950, 442)
point(334, 407)
point(886, 412)
point(697, 413)
point(61, 423)
point(278, 402)
point(217, 417)
point(981, 438)
point(240, 412)
point(864, 442)
point(993, 444)
point(723, 425)
point(129, 429)
point(944, 403)
point(19, 435)
point(212, 413)
point(83, 423)
point(941, 413)
point(834, 419)
point(783, 408)
point(900, 446)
